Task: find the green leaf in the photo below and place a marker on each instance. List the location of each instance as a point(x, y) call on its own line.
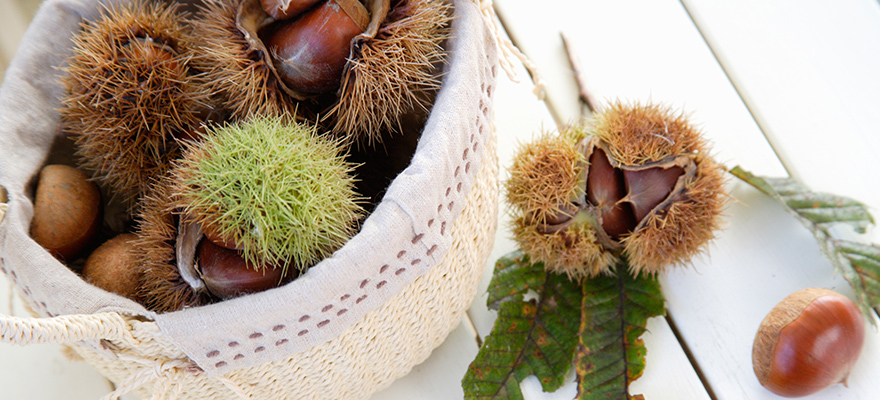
point(536, 337)
point(513, 278)
point(865, 260)
point(858, 263)
point(610, 353)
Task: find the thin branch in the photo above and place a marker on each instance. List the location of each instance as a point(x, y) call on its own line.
point(584, 93)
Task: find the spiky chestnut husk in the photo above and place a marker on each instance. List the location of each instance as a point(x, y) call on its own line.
point(391, 71)
point(131, 93)
point(165, 284)
point(544, 178)
point(279, 191)
point(646, 189)
point(238, 68)
point(575, 251)
point(162, 287)
point(642, 134)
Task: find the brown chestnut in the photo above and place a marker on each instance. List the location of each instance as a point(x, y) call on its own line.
point(226, 273)
point(286, 9)
point(310, 52)
point(113, 266)
point(67, 211)
point(809, 341)
point(605, 189)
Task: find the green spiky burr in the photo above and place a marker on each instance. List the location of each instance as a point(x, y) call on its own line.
point(283, 194)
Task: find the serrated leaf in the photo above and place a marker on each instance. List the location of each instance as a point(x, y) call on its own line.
point(610, 352)
point(865, 259)
point(535, 337)
point(859, 264)
point(818, 209)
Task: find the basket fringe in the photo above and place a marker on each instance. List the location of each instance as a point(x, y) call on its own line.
point(165, 370)
point(509, 51)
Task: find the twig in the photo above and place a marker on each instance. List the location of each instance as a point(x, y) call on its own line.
point(585, 96)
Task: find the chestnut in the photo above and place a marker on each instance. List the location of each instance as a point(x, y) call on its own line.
point(286, 9)
point(226, 273)
point(67, 211)
point(809, 341)
point(605, 190)
point(114, 266)
point(310, 52)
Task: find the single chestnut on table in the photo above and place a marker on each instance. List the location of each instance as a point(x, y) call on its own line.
point(808, 342)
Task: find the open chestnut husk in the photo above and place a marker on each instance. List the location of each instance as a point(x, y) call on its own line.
point(808, 342)
point(635, 182)
point(360, 86)
point(249, 206)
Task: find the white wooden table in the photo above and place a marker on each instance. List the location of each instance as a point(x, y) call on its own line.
point(780, 87)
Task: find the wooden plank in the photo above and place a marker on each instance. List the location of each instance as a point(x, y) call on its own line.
point(640, 50)
point(810, 71)
point(718, 303)
point(519, 116)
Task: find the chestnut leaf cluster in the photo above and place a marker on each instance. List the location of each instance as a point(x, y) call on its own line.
point(593, 324)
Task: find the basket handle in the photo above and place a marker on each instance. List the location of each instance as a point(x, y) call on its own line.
point(65, 329)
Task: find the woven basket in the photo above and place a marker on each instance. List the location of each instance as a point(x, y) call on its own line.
point(348, 328)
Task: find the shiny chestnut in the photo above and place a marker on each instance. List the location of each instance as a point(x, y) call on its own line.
point(310, 51)
point(808, 342)
point(226, 273)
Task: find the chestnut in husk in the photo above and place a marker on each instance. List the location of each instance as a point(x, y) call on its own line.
point(310, 52)
point(635, 182)
point(226, 274)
